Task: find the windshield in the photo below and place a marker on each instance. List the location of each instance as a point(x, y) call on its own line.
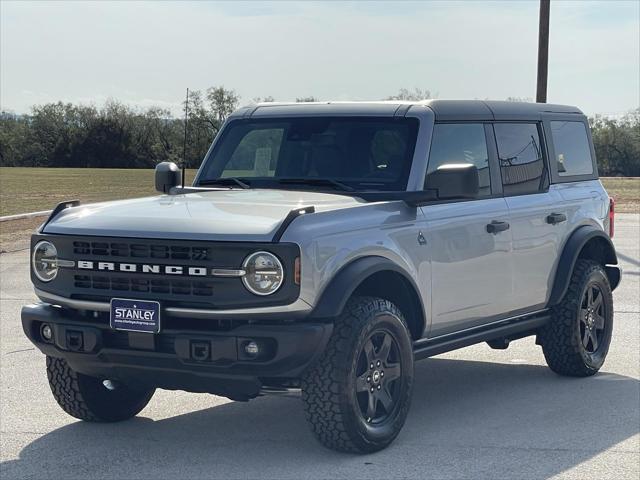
point(347, 153)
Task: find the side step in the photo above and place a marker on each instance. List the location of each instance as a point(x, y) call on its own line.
point(510, 328)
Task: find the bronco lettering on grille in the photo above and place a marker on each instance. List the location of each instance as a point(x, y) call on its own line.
point(143, 268)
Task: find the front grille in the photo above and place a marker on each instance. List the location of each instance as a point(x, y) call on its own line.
point(177, 273)
point(143, 285)
point(140, 250)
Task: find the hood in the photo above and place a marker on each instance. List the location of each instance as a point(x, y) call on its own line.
point(239, 215)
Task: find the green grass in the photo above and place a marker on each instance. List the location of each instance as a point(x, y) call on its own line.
point(626, 192)
point(33, 189)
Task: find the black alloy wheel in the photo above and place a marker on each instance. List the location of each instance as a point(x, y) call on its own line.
point(576, 340)
point(357, 394)
point(379, 368)
point(592, 318)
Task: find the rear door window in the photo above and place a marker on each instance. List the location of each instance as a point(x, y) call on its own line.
point(521, 158)
point(572, 151)
point(461, 143)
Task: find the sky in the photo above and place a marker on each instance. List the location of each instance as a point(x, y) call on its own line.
point(148, 53)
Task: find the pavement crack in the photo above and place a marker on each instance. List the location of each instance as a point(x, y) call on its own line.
point(18, 351)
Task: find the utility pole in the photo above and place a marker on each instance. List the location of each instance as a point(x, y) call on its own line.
point(543, 52)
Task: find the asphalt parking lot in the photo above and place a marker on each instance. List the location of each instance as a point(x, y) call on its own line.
point(476, 413)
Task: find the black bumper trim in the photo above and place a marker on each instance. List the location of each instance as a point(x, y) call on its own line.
point(196, 361)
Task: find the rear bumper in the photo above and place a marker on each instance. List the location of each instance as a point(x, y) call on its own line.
point(197, 361)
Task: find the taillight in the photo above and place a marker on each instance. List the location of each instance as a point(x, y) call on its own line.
point(612, 215)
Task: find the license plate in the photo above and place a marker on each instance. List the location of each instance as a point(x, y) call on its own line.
point(135, 315)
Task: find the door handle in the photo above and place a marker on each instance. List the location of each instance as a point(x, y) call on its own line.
point(496, 227)
point(556, 218)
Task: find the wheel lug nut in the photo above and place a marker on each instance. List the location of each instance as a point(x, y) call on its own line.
point(382, 374)
point(368, 379)
point(371, 389)
point(378, 363)
point(379, 387)
point(371, 366)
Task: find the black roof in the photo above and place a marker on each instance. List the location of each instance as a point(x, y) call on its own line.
point(443, 109)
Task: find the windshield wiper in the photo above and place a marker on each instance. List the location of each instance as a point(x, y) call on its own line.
point(317, 181)
point(225, 181)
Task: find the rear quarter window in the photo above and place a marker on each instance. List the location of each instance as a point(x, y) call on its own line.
point(572, 150)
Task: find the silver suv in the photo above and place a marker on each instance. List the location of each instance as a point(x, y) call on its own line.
point(325, 247)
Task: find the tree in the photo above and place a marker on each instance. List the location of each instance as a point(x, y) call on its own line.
point(267, 99)
point(414, 95)
point(202, 128)
point(222, 102)
point(617, 144)
point(16, 140)
point(119, 136)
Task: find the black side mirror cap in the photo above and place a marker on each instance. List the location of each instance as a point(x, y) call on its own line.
point(454, 180)
point(167, 176)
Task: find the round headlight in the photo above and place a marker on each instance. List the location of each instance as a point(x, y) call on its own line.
point(263, 273)
point(45, 261)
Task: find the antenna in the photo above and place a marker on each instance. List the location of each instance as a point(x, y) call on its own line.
point(184, 145)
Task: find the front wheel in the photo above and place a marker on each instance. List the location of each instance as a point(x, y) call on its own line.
point(87, 398)
point(357, 395)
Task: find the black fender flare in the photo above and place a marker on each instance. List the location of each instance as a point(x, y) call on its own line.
point(572, 249)
point(334, 297)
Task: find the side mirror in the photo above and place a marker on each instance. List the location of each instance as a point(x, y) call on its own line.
point(454, 180)
point(167, 176)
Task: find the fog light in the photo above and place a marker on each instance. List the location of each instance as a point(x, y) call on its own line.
point(251, 349)
point(47, 332)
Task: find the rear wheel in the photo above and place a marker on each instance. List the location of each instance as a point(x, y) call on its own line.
point(88, 398)
point(576, 340)
point(357, 395)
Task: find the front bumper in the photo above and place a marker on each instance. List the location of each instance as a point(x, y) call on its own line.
point(191, 360)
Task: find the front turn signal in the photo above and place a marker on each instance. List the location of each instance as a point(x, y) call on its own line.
point(296, 271)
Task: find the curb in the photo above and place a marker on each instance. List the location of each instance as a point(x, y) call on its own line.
point(21, 216)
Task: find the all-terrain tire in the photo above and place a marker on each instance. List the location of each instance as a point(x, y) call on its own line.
point(332, 405)
point(88, 399)
point(562, 338)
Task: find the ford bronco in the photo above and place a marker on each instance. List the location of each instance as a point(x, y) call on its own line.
point(321, 250)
